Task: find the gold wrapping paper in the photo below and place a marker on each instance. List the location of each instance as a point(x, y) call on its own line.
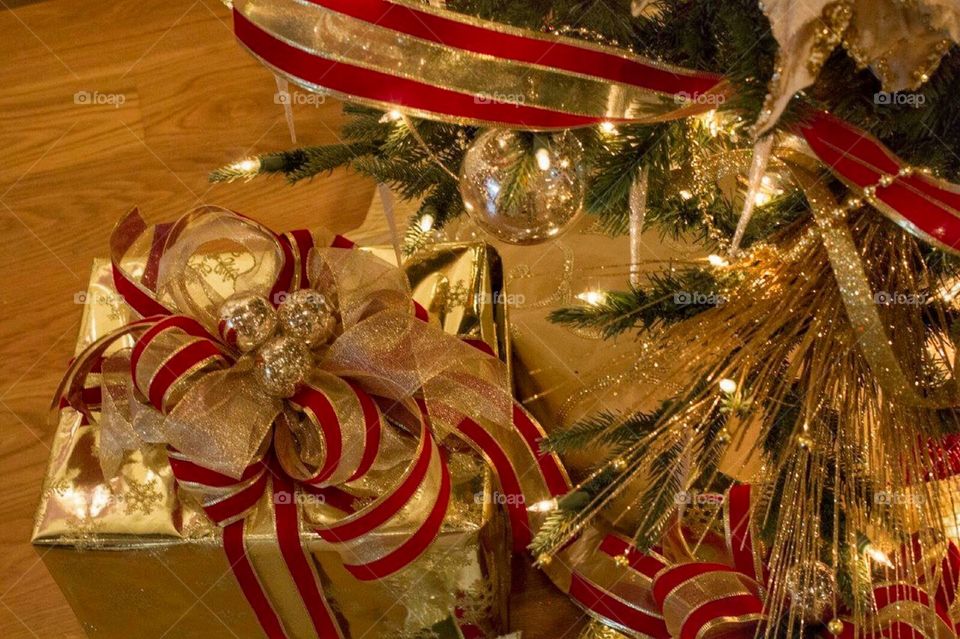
point(136, 556)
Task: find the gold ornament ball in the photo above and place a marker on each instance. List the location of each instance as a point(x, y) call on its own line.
point(811, 587)
point(308, 315)
point(282, 364)
point(246, 320)
point(544, 205)
point(835, 626)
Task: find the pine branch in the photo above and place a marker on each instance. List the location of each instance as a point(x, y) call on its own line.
point(440, 206)
point(522, 167)
point(552, 532)
point(557, 527)
point(365, 124)
point(712, 446)
point(295, 165)
point(617, 161)
point(605, 428)
point(672, 296)
point(854, 580)
point(410, 181)
point(659, 499)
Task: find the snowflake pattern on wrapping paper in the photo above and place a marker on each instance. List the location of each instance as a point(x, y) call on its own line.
point(83, 532)
point(451, 296)
point(140, 496)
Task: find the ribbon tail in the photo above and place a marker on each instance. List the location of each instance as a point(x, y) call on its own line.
point(288, 603)
point(297, 559)
point(235, 548)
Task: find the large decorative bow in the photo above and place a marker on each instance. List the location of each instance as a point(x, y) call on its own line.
point(438, 64)
point(313, 370)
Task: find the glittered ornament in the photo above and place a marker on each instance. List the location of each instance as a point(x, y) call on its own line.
point(282, 364)
point(523, 188)
point(811, 586)
point(835, 626)
point(246, 321)
point(309, 316)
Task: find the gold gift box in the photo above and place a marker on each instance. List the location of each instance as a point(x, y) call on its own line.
point(136, 557)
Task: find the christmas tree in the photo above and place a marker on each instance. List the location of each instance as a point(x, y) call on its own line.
point(814, 156)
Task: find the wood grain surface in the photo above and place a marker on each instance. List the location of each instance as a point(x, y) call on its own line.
point(104, 106)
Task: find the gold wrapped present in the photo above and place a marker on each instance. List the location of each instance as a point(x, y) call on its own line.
point(136, 555)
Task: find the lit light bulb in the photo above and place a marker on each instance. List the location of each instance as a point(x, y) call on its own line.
point(249, 166)
point(685, 194)
point(866, 547)
point(391, 116)
point(727, 385)
point(717, 260)
point(426, 222)
point(712, 122)
point(544, 506)
point(593, 298)
point(543, 159)
point(878, 555)
point(949, 293)
point(608, 128)
point(768, 190)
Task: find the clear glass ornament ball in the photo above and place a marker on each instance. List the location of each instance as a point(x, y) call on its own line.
point(246, 321)
point(523, 188)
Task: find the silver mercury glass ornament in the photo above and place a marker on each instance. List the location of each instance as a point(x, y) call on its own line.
point(282, 364)
point(246, 321)
point(308, 315)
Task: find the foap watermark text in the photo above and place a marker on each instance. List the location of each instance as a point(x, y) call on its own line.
point(296, 98)
point(689, 497)
point(885, 98)
point(96, 98)
point(516, 99)
point(688, 298)
point(897, 298)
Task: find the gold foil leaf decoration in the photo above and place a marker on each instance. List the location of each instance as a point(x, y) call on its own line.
point(901, 41)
